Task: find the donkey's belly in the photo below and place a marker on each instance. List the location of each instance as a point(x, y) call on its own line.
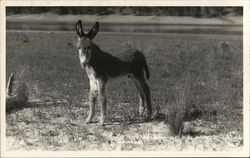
point(117, 75)
point(110, 78)
point(108, 73)
point(117, 71)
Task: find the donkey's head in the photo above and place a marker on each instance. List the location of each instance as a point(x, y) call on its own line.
point(84, 44)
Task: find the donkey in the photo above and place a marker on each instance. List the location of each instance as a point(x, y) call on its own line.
point(101, 67)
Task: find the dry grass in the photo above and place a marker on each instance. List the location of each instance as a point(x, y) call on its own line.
point(188, 71)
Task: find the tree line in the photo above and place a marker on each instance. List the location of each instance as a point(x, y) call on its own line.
point(137, 11)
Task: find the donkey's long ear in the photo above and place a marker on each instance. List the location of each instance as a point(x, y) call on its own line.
point(79, 30)
point(92, 33)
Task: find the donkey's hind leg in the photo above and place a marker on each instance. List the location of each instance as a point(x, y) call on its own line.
point(146, 92)
point(141, 95)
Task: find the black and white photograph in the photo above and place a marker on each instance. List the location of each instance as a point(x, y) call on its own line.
point(124, 78)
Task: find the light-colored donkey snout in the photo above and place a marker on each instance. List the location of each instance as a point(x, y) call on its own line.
point(82, 57)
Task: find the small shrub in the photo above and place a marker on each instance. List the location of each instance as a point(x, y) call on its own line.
point(22, 84)
point(21, 95)
point(224, 49)
point(175, 119)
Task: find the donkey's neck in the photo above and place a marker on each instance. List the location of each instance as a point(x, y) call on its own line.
point(98, 52)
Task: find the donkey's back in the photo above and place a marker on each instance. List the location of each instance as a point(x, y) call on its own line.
point(130, 61)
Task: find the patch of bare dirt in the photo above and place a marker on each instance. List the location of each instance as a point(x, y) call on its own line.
point(37, 129)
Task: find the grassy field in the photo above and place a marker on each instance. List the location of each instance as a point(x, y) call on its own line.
point(192, 71)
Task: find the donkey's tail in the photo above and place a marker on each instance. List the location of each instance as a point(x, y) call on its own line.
point(145, 65)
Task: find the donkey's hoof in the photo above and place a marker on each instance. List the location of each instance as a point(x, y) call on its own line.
point(141, 112)
point(148, 118)
point(102, 123)
point(88, 121)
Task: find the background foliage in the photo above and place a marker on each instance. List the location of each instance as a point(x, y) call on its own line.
point(137, 11)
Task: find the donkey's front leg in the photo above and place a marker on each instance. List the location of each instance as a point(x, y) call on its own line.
point(102, 100)
point(92, 100)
